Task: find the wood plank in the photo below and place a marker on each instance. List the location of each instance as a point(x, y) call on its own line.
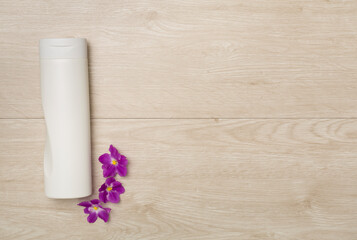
point(194, 179)
point(191, 59)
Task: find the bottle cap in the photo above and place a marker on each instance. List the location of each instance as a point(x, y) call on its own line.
point(65, 48)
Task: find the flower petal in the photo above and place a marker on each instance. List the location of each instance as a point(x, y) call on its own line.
point(105, 158)
point(103, 214)
point(86, 210)
point(114, 152)
point(121, 170)
point(92, 217)
point(103, 196)
point(117, 186)
point(85, 204)
point(95, 201)
point(123, 160)
point(113, 197)
point(108, 170)
point(102, 188)
point(109, 181)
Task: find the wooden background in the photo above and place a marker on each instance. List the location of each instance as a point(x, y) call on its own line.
point(239, 118)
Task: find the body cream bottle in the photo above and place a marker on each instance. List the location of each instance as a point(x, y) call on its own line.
point(65, 102)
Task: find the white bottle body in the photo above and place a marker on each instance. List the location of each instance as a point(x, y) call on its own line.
point(65, 101)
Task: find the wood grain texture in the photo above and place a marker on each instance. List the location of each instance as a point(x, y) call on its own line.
point(194, 179)
point(191, 59)
point(238, 118)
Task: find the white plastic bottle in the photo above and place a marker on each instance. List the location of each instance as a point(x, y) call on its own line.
point(65, 101)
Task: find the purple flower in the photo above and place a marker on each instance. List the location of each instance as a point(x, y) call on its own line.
point(113, 163)
point(110, 191)
point(95, 210)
